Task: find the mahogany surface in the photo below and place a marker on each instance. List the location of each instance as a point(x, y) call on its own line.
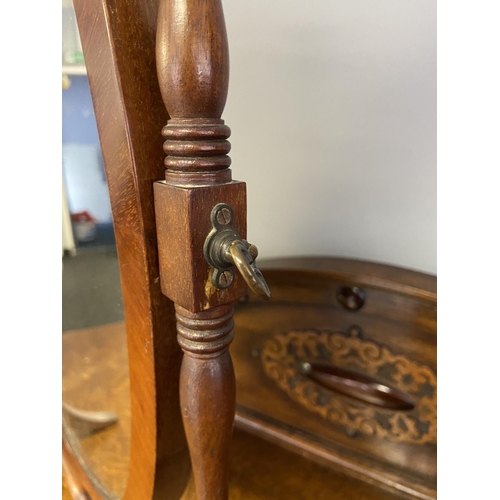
point(399, 311)
point(391, 338)
point(193, 73)
point(118, 39)
point(397, 314)
point(95, 376)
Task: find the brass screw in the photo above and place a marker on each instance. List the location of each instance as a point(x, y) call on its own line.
point(253, 251)
point(224, 216)
point(225, 279)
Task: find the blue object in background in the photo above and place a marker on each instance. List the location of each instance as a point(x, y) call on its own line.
point(83, 169)
point(78, 120)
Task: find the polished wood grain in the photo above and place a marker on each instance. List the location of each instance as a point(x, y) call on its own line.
point(95, 376)
point(183, 224)
point(171, 407)
point(118, 38)
point(193, 58)
point(208, 397)
point(193, 72)
point(399, 316)
point(391, 338)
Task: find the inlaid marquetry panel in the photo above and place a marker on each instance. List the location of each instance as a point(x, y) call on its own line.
point(285, 355)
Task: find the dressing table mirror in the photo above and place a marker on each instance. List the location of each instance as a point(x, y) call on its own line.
point(333, 391)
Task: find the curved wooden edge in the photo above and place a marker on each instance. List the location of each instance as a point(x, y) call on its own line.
point(82, 481)
point(89, 421)
point(305, 446)
point(298, 274)
point(374, 274)
point(118, 39)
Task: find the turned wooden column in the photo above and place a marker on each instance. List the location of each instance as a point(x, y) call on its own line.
point(208, 395)
point(193, 71)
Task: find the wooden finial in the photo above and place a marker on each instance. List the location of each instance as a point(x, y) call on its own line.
point(193, 71)
point(192, 58)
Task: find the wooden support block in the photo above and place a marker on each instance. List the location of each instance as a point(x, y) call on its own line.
point(183, 224)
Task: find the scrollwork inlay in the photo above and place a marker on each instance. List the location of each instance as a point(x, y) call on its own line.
point(283, 354)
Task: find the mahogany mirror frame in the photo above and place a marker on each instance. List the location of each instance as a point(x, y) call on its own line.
point(118, 39)
point(178, 353)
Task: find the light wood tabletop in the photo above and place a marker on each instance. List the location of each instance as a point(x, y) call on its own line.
point(95, 378)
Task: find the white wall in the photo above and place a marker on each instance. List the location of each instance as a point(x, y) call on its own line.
point(332, 106)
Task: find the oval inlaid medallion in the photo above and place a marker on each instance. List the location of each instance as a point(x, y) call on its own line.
point(285, 355)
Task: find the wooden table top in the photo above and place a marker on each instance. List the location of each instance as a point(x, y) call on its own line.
point(95, 378)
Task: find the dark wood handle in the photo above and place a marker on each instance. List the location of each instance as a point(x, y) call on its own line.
point(357, 386)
